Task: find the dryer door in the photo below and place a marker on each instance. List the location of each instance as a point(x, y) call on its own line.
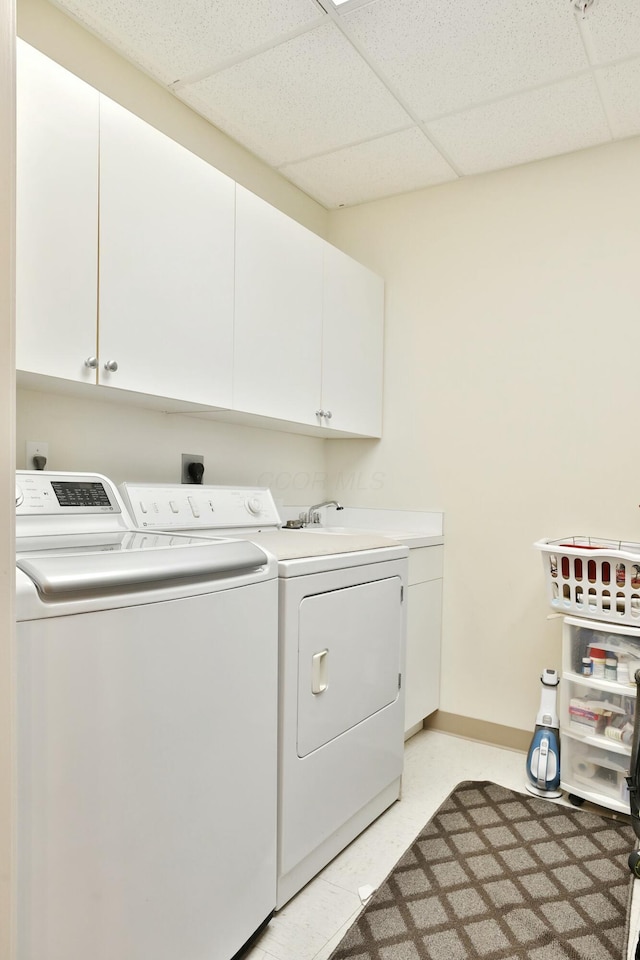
point(349, 658)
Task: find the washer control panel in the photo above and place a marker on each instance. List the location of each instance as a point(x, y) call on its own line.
point(39, 493)
point(180, 506)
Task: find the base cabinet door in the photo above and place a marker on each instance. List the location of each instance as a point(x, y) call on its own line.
point(424, 628)
point(56, 219)
point(166, 265)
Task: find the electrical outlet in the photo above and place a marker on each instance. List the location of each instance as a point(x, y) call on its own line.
point(188, 458)
point(36, 448)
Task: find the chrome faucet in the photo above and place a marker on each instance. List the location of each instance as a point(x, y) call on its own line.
point(312, 515)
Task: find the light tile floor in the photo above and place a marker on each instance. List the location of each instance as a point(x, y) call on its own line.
point(311, 925)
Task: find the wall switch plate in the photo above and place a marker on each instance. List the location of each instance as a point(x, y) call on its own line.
point(36, 448)
point(188, 458)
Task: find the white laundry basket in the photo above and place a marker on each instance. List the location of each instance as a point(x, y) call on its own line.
point(593, 577)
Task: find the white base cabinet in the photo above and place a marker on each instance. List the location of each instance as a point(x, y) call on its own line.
point(597, 713)
point(424, 627)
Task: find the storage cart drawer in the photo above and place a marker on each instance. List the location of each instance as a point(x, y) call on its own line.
point(595, 774)
point(601, 652)
point(589, 710)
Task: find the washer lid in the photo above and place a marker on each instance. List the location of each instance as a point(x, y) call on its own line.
point(100, 563)
point(102, 541)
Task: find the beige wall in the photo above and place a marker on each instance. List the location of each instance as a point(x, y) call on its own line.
point(7, 466)
point(512, 394)
point(131, 443)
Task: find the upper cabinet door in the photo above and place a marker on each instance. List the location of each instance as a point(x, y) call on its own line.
point(166, 265)
point(278, 319)
point(56, 219)
point(352, 349)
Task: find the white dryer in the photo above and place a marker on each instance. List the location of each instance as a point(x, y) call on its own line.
point(146, 732)
point(342, 632)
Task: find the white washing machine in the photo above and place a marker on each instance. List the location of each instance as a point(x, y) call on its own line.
point(342, 648)
point(146, 732)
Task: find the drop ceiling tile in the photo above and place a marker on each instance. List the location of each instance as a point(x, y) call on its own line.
point(541, 123)
point(397, 163)
point(613, 28)
point(446, 55)
point(172, 39)
point(620, 86)
point(309, 95)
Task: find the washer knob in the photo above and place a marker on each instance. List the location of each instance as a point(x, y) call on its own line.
point(19, 496)
point(253, 505)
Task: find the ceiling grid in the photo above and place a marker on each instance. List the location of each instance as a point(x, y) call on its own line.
point(373, 98)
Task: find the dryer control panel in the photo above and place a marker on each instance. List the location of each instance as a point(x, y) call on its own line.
point(168, 506)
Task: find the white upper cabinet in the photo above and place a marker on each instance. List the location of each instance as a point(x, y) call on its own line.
point(308, 326)
point(142, 268)
point(166, 265)
point(56, 219)
point(352, 345)
point(278, 315)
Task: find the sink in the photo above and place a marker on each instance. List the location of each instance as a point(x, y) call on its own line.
point(398, 536)
point(348, 531)
point(415, 539)
point(318, 528)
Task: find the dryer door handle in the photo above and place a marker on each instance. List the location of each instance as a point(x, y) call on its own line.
point(319, 672)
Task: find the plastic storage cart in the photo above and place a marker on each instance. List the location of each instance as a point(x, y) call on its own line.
point(597, 712)
point(595, 583)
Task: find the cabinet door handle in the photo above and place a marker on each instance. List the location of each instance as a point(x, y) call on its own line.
point(328, 414)
point(111, 366)
point(91, 362)
point(319, 672)
point(319, 413)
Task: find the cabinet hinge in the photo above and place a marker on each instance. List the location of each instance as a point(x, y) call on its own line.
point(399, 681)
point(401, 594)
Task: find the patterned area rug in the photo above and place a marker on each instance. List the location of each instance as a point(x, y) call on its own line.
point(500, 875)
